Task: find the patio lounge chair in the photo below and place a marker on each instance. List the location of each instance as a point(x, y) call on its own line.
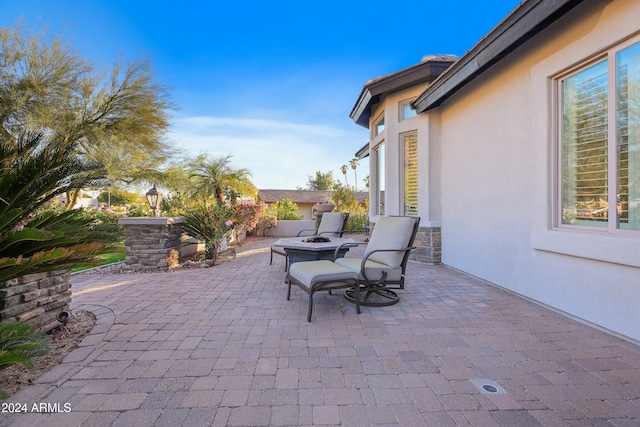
point(332, 224)
point(383, 266)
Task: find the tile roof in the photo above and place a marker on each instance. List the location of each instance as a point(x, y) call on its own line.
point(302, 196)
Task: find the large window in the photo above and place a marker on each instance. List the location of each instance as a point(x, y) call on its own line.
point(600, 143)
point(410, 174)
point(379, 183)
point(628, 136)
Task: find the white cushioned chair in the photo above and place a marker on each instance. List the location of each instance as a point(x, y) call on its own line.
point(331, 224)
point(383, 266)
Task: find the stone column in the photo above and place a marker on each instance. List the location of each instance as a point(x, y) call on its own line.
point(152, 243)
point(428, 245)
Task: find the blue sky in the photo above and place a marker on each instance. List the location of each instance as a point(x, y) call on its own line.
point(271, 83)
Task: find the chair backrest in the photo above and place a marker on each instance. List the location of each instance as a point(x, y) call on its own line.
point(332, 222)
point(392, 232)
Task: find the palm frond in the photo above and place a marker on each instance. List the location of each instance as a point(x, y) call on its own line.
point(19, 343)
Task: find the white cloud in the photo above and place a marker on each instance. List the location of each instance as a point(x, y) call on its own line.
point(279, 154)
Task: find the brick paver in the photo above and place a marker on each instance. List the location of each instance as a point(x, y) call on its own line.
point(222, 346)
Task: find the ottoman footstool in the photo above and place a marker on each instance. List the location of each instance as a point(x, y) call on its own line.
point(316, 276)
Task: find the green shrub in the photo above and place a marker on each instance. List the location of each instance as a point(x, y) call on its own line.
point(284, 210)
point(356, 222)
point(117, 197)
point(105, 220)
point(175, 205)
point(346, 201)
point(266, 223)
point(245, 218)
point(138, 210)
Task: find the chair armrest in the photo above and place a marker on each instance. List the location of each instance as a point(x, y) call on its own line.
point(307, 229)
point(366, 256)
point(346, 245)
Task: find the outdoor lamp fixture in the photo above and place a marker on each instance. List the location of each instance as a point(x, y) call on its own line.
point(153, 197)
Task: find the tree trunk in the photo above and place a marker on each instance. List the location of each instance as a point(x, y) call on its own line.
point(72, 198)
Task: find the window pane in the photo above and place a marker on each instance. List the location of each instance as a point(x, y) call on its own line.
point(408, 112)
point(380, 179)
point(584, 147)
point(411, 175)
point(380, 126)
point(628, 136)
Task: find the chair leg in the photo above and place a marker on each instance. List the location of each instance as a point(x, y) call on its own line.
point(271, 258)
point(310, 306)
point(357, 299)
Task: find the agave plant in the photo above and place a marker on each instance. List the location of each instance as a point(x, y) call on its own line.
point(33, 237)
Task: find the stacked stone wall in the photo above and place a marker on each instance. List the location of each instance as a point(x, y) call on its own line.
point(36, 299)
point(152, 243)
point(428, 245)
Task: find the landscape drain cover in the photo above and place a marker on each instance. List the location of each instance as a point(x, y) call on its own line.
point(486, 386)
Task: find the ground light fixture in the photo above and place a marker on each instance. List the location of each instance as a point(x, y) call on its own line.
point(153, 197)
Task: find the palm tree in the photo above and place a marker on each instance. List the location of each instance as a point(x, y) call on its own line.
point(215, 176)
point(354, 165)
point(33, 237)
point(344, 169)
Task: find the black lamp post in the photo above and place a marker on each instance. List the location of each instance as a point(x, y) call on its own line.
point(153, 197)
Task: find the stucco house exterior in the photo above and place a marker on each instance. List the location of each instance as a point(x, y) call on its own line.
point(528, 152)
point(401, 172)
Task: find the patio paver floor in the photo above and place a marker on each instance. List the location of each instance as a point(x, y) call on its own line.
point(222, 346)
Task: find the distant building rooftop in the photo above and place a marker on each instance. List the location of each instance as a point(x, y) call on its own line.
point(302, 196)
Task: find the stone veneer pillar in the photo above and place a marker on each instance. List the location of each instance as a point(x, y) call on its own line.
point(428, 245)
point(152, 243)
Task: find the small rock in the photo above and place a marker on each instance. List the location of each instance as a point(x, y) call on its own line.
point(187, 263)
point(204, 265)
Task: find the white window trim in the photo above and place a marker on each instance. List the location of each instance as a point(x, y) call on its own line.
point(616, 248)
point(374, 126)
point(612, 153)
point(401, 109)
point(375, 202)
point(556, 105)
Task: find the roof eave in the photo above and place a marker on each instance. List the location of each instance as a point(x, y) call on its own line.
point(527, 20)
point(424, 72)
point(363, 151)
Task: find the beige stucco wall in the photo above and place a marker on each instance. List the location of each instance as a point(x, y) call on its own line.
point(304, 209)
point(496, 142)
